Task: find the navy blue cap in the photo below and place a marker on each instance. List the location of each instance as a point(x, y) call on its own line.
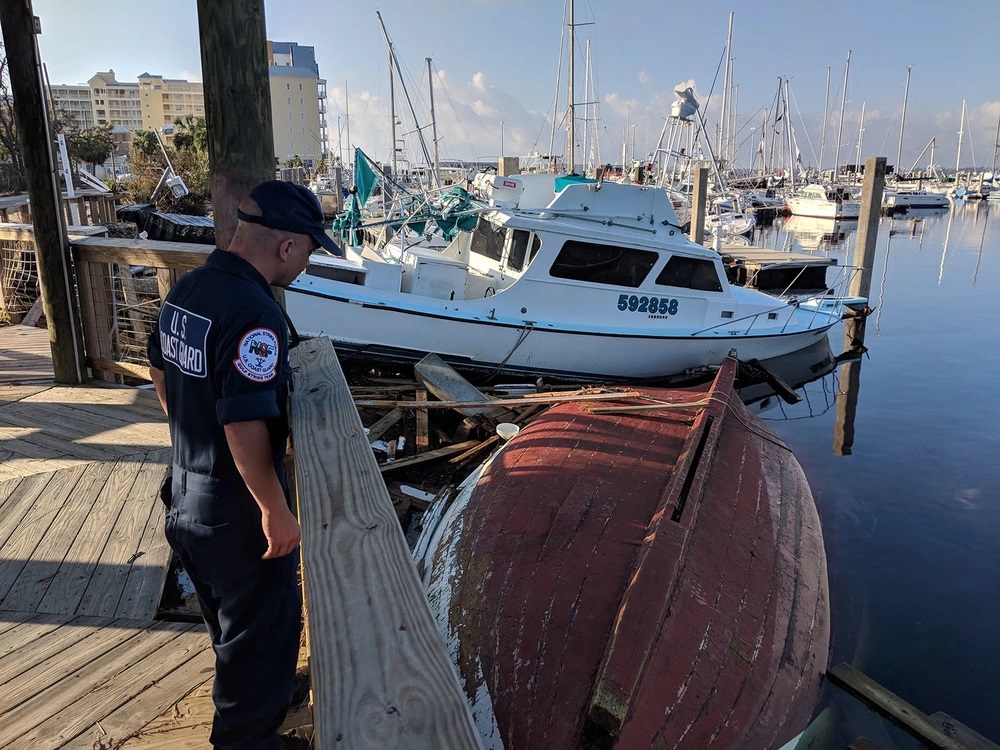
point(290, 208)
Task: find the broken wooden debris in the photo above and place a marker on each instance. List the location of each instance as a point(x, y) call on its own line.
point(488, 443)
point(378, 429)
point(898, 711)
point(443, 381)
point(449, 450)
point(423, 440)
point(497, 404)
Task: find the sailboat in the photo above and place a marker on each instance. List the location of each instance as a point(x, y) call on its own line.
point(898, 198)
point(829, 202)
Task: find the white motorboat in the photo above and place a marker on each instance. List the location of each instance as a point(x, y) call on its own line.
point(731, 223)
point(824, 202)
point(600, 283)
point(898, 199)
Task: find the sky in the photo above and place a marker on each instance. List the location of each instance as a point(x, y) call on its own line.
point(497, 61)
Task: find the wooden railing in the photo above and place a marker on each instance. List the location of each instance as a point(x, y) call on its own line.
point(122, 284)
point(83, 210)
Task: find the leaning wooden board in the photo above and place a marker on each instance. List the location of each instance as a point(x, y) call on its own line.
point(381, 676)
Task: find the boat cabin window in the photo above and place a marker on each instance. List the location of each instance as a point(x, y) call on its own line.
point(603, 264)
point(488, 240)
point(536, 245)
point(518, 249)
point(690, 273)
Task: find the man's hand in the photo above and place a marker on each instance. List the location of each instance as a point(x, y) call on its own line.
point(282, 531)
point(251, 449)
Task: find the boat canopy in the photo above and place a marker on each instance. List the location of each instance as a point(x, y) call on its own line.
point(571, 179)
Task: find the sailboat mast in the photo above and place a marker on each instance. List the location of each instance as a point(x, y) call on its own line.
point(861, 136)
point(791, 141)
point(996, 148)
point(586, 117)
point(392, 93)
point(347, 120)
point(958, 156)
point(902, 122)
point(725, 89)
point(434, 127)
point(843, 106)
point(570, 113)
point(826, 112)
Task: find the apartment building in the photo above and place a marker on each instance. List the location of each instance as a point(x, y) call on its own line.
point(76, 100)
point(167, 99)
point(298, 103)
point(115, 102)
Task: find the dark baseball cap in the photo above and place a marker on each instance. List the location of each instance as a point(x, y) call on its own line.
point(290, 208)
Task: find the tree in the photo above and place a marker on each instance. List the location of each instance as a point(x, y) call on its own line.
point(191, 134)
point(92, 145)
point(145, 143)
point(60, 121)
point(10, 147)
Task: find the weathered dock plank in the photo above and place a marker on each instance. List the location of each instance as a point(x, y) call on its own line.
point(44, 563)
point(381, 676)
point(163, 650)
point(145, 707)
point(83, 679)
point(20, 544)
point(66, 591)
point(107, 585)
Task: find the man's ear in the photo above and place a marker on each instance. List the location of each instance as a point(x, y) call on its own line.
point(285, 248)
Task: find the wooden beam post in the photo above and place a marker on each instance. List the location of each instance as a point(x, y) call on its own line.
point(237, 104)
point(871, 209)
point(698, 205)
point(51, 243)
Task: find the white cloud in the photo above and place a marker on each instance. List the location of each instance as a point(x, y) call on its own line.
point(483, 110)
point(644, 78)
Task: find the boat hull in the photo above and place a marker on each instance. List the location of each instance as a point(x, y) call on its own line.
point(823, 209)
point(652, 579)
point(478, 344)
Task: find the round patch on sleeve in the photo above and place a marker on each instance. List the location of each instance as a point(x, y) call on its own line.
point(257, 357)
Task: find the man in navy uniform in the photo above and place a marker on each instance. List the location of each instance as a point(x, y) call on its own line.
point(219, 362)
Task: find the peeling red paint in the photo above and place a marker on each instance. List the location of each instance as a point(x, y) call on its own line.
point(597, 618)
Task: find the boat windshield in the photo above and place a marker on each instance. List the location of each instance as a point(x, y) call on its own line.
point(603, 264)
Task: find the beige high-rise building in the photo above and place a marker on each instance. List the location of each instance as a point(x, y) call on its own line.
point(167, 99)
point(298, 103)
point(115, 102)
point(77, 101)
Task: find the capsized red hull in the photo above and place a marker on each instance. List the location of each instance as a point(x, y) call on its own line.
point(636, 580)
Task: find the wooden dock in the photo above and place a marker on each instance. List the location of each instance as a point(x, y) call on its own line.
point(83, 561)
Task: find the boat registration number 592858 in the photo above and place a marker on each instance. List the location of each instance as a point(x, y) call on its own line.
point(652, 305)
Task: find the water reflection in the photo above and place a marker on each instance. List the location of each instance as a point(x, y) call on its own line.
point(819, 234)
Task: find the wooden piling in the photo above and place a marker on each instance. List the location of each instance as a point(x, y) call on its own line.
point(871, 206)
point(237, 104)
point(59, 298)
point(698, 200)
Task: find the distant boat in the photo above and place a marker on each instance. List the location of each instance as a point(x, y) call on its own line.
point(895, 199)
point(824, 202)
point(636, 579)
point(593, 281)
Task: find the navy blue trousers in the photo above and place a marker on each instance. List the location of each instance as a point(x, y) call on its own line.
point(252, 607)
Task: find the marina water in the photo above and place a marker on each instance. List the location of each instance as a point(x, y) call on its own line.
point(910, 503)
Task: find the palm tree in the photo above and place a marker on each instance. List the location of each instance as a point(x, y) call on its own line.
point(190, 134)
point(144, 142)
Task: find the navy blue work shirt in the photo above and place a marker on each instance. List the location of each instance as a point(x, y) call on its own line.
point(222, 343)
